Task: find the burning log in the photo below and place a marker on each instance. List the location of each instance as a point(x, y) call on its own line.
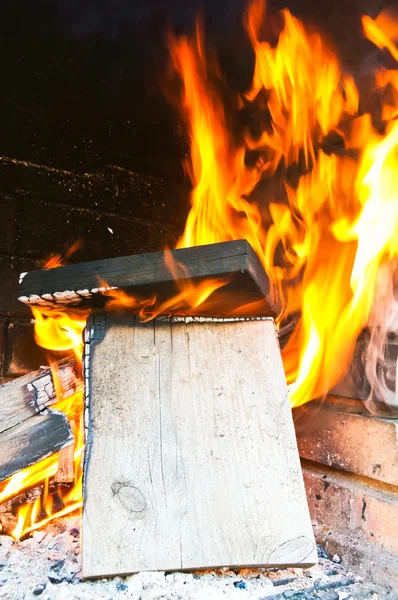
point(32, 440)
point(66, 471)
point(240, 278)
point(191, 457)
point(24, 397)
point(9, 509)
point(29, 431)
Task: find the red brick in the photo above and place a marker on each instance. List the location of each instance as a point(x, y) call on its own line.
point(340, 433)
point(356, 519)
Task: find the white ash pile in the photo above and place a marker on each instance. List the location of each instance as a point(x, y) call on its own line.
point(47, 566)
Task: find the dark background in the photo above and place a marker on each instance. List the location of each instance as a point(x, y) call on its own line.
point(80, 80)
point(88, 142)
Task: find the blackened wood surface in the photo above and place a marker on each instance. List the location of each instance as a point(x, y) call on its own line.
point(147, 275)
point(32, 440)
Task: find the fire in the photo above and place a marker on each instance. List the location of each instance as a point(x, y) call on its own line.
point(190, 296)
point(328, 266)
point(308, 95)
point(58, 332)
point(36, 515)
point(326, 232)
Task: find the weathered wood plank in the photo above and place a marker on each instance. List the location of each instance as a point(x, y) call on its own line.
point(191, 457)
point(146, 275)
point(29, 394)
point(32, 440)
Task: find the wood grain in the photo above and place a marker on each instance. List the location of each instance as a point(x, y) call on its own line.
point(32, 440)
point(191, 457)
point(146, 275)
point(24, 397)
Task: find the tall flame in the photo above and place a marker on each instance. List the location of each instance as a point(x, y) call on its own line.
point(336, 207)
point(326, 232)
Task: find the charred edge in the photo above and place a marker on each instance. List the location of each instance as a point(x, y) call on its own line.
point(94, 333)
point(214, 319)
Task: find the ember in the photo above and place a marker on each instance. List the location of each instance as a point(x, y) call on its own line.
point(328, 249)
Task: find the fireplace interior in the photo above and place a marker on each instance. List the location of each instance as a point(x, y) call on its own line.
point(91, 168)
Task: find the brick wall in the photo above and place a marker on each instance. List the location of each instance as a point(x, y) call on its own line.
point(44, 211)
point(350, 468)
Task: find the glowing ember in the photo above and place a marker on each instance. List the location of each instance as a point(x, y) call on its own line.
point(329, 249)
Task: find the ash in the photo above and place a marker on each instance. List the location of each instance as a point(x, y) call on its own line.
point(47, 566)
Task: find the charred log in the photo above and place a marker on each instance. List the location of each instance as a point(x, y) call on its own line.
point(32, 440)
point(29, 431)
point(26, 396)
point(234, 263)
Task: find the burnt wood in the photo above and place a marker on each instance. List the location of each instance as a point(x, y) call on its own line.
point(32, 440)
point(31, 394)
point(146, 275)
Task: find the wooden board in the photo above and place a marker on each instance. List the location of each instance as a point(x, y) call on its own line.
point(32, 393)
point(32, 440)
point(191, 457)
point(146, 275)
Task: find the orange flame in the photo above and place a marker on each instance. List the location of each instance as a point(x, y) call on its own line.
point(326, 232)
point(383, 31)
point(308, 95)
point(56, 332)
point(219, 210)
point(325, 225)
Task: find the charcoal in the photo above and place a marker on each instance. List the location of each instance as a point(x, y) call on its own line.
point(322, 552)
point(284, 581)
point(329, 585)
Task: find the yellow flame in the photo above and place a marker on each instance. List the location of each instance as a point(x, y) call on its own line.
point(323, 235)
point(308, 95)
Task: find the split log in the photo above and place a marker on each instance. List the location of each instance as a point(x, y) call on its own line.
point(9, 508)
point(29, 431)
point(32, 440)
point(191, 457)
point(24, 397)
point(146, 275)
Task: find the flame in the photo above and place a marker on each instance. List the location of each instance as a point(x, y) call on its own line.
point(323, 223)
point(324, 226)
point(57, 332)
point(382, 31)
point(57, 260)
point(219, 210)
point(308, 95)
point(190, 298)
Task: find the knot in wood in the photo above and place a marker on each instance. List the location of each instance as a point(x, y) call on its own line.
point(129, 496)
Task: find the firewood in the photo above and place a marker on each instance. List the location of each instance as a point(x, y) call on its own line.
point(191, 458)
point(32, 440)
point(30, 432)
point(147, 275)
point(24, 397)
